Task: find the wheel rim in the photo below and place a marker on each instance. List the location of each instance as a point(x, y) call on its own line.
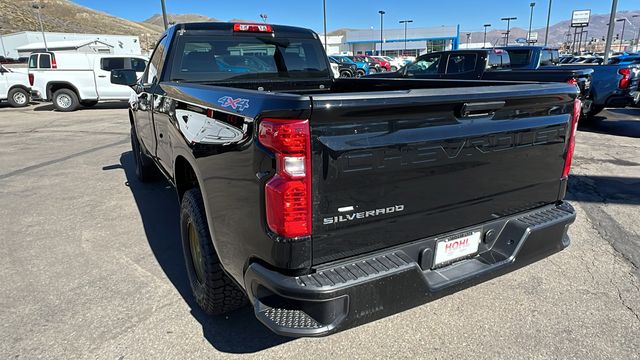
point(64, 101)
point(196, 254)
point(20, 98)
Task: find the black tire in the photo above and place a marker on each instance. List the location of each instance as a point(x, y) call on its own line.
point(88, 103)
point(146, 170)
point(346, 74)
point(18, 97)
point(212, 288)
point(360, 73)
point(65, 100)
point(593, 112)
point(373, 70)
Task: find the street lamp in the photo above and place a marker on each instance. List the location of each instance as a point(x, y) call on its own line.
point(38, 6)
point(264, 17)
point(508, 20)
point(405, 22)
point(324, 12)
point(468, 40)
point(530, 21)
point(546, 32)
point(622, 35)
point(165, 20)
point(484, 40)
point(637, 36)
point(381, 12)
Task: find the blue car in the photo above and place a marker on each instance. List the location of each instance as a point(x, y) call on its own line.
point(627, 59)
point(362, 67)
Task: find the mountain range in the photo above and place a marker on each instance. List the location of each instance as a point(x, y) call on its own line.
point(67, 16)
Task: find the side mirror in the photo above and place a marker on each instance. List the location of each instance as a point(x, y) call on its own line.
point(126, 77)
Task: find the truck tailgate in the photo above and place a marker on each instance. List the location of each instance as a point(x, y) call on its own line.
point(391, 167)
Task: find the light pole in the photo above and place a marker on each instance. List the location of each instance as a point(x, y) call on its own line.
point(530, 21)
point(38, 6)
point(406, 23)
point(324, 14)
point(264, 17)
point(381, 12)
point(637, 36)
point(546, 32)
point(508, 20)
point(165, 20)
point(612, 17)
point(484, 40)
point(468, 40)
point(621, 35)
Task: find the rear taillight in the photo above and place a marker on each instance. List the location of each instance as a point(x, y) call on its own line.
point(54, 64)
point(572, 82)
point(31, 79)
point(625, 82)
point(288, 193)
point(577, 108)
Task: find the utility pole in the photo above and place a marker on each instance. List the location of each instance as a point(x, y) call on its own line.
point(264, 17)
point(324, 14)
point(484, 41)
point(38, 6)
point(546, 32)
point(405, 22)
point(612, 18)
point(381, 12)
point(637, 36)
point(532, 5)
point(165, 20)
point(624, 21)
point(468, 40)
point(508, 20)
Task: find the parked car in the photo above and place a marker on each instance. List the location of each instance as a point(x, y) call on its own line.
point(345, 69)
point(384, 63)
point(14, 87)
point(611, 86)
point(631, 59)
point(362, 68)
point(489, 64)
point(335, 69)
point(329, 203)
point(395, 62)
point(70, 80)
point(375, 66)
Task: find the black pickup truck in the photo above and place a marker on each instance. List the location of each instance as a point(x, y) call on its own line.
point(489, 64)
point(612, 85)
point(328, 203)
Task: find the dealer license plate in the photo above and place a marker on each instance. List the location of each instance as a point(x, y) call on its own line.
point(456, 247)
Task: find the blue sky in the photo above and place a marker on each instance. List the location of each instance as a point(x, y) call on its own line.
point(470, 14)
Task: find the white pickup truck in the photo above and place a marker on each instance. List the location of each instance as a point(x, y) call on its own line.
point(73, 79)
point(14, 87)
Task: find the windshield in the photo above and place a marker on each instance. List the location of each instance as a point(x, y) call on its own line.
point(519, 58)
point(229, 58)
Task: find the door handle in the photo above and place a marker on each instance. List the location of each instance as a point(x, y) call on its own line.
point(480, 109)
point(102, 76)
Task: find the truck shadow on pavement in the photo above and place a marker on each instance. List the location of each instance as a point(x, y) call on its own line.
point(238, 332)
point(99, 106)
point(604, 189)
point(617, 122)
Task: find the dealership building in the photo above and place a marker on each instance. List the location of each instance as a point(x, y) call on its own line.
point(394, 42)
point(23, 43)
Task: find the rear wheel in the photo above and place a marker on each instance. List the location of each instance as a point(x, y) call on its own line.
point(145, 168)
point(18, 97)
point(346, 74)
point(212, 288)
point(595, 110)
point(360, 73)
point(65, 100)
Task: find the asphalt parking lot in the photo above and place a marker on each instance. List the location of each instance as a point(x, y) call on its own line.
point(92, 267)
